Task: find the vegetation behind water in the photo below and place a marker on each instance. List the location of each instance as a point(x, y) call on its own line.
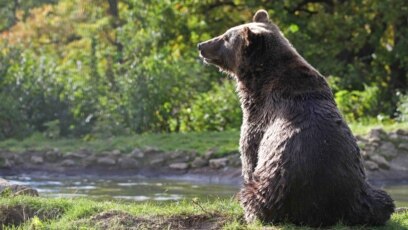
point(94, 69)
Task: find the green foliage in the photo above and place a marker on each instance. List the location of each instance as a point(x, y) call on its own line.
point(52, 129)
point(95, 69)
point(7, 192)
point(356, 105)
point(36, 223)
point(402, 109)
point(217, 109)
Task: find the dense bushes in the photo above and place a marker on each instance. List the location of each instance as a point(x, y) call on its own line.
point(356, 104)
point(92, 68)
point(217, 109)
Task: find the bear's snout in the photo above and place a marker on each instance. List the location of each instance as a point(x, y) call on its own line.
point(209, 50)
point(199, 46)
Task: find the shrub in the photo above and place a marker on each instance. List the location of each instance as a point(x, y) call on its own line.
point(355, 105)
point(217, 109)
point(402, 107)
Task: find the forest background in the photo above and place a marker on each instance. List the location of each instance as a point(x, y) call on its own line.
point(99, 68)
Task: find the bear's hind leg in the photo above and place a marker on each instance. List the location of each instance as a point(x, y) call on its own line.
point(374, 208)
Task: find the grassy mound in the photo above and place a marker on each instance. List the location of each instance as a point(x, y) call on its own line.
point(23, 212)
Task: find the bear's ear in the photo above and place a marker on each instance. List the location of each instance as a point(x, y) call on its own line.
point(248, 35)
point(261, 16)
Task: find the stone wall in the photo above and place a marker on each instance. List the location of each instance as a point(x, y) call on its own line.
point(384, 151)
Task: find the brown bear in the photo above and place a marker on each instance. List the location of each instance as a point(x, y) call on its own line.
point(300, 161)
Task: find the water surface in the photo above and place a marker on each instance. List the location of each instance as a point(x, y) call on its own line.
point(135, 189)
point(150, 189)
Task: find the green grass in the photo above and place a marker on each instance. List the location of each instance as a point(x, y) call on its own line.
point(79, 213)
point(223, 142)
point(362, 129)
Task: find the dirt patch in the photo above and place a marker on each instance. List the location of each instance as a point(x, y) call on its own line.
point(121, 220)
point(18, 214)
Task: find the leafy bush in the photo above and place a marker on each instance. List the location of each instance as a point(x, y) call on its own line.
point(355, 105)
point(13, 123)
point(217, 109)
point(101, 68)
point(402, 109)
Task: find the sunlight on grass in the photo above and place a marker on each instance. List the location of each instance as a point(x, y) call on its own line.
point(77, 213)
point(221, 142)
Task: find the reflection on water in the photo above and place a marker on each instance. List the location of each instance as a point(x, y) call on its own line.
point(149, 189)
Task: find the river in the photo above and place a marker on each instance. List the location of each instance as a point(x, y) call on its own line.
point(150, 189)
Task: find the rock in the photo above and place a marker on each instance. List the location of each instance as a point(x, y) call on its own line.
point(365, 154)
point(151, 150)
point(17, 158)
point(381, 161)
point(199, 162)
point(14, 189)
point(2, 161)
point(193, 154)
point(402, 138)
point(67, 163)
point(115, 152)
point(360, 138)
point(402, 132)
point(370, 149)
point(106, 161)
point(235, 160)
point(37, 159)
point(361, 144)
point(128, 162)
point(388, 150)
point(376, 134)
point(137, 153)
point(84, 151)
point(210, 154)
point(157, 161)
point(176, 154)
point(370, 165)
point(179, 166)
point(403, 146)
point(8, 163)
point(52, 155)
point(104, 154)
point(393, 136)
point(70, 155)
point(90, 160)
point(218, 163)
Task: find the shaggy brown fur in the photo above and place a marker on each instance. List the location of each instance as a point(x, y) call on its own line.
point(300, 160)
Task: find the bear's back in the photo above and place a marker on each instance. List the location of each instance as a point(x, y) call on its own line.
point(309, 152)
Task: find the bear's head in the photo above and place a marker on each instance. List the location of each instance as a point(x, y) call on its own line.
point(244, 45)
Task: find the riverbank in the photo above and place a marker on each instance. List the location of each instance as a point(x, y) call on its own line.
point(52, 213)
point(385, 157)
